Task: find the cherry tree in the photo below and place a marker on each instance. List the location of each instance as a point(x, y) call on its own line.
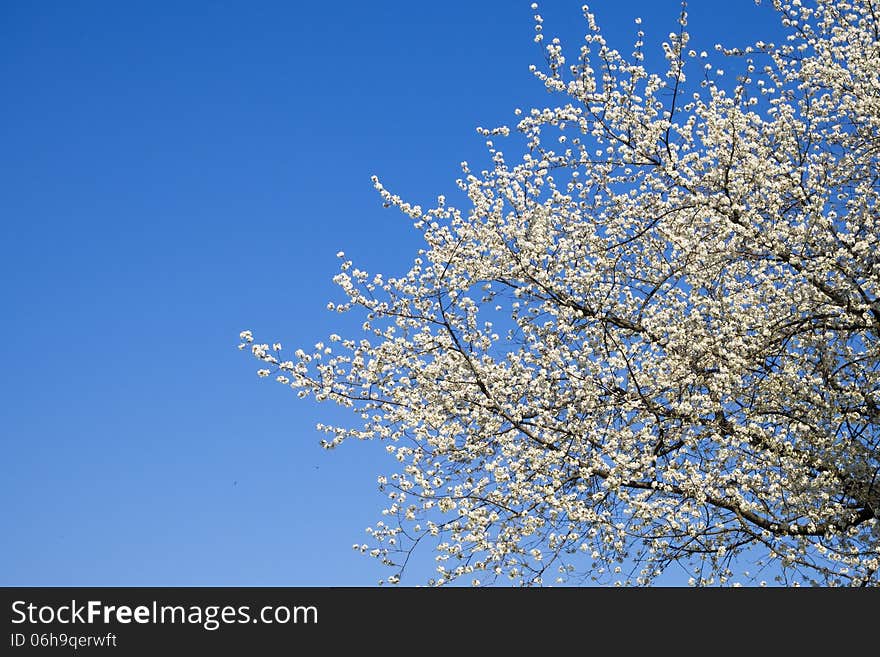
point(649, 340)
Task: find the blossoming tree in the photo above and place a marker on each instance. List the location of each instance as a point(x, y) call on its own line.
point(650, 340)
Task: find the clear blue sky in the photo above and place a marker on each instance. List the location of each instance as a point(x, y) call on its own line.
point(172, 173)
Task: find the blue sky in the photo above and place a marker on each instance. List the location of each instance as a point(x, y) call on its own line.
point(173, 173)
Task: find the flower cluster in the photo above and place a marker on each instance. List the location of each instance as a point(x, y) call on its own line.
point(653, 340)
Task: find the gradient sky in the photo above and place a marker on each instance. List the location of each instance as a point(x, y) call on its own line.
point(172, 173)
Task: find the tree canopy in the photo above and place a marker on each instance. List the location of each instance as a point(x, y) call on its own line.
point(649, 339)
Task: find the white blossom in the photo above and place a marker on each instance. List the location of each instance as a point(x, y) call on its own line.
point(649, 341)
